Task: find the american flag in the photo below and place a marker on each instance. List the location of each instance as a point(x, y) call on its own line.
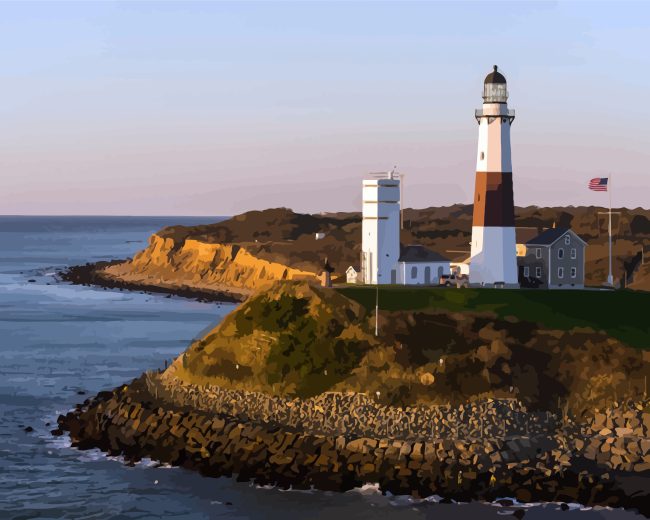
point(598, 184)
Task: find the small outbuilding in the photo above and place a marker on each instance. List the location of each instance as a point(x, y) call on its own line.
point(418, 265)
point(554, 259)
point(352, 274)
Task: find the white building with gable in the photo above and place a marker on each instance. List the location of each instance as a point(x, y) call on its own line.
point(383, 260)
point(421, 266)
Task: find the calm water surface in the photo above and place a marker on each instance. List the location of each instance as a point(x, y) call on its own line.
point(61, 343)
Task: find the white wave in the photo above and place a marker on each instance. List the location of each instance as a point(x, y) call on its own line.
point(367, 489)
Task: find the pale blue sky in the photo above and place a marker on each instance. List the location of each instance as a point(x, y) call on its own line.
point(217, 107)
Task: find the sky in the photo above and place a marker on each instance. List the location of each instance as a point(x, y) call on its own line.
point(214, 108)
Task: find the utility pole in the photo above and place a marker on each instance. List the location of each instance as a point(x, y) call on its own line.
point(377, 307)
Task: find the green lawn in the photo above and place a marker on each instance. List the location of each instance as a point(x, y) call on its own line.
point(622, 314)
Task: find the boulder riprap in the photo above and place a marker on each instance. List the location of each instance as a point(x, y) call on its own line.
point(133, 422)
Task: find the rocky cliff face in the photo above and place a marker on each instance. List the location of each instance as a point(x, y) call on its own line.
point(190, 263)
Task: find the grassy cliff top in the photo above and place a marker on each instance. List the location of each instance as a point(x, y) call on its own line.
point(623, 315)
point(298, 340)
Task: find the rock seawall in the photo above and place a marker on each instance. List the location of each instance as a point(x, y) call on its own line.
point(619, 437)
point(132, 422)
point(354, 414)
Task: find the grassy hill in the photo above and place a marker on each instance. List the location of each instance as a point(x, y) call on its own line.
point(621, 314)
point(298, 340)
point(292, 339)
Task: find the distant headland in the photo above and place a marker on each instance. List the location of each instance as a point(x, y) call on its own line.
point(230, 259)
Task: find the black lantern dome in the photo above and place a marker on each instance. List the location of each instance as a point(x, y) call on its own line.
point(494, 87)
point(495, 77)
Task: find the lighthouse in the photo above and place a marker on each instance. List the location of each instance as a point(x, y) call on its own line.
point(493, 260)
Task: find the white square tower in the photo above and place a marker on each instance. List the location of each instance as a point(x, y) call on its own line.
point(380, 228)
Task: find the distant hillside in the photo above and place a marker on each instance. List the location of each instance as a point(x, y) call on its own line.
point(245, 252)
point(641, 281)
point(284, 236)
point(294, 339)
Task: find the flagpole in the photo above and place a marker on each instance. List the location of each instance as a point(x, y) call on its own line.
point(610, 277)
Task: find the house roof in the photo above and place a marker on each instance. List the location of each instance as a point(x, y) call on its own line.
point(552, 235)
point(354, 268)
point(417, 253)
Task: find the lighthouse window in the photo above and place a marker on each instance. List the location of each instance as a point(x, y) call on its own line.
point(482, 156)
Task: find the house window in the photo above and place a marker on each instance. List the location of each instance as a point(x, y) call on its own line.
point(526, 272)
point(538, 272)
point(567, 239)
point(560, 253)
point(414, 272)
point(574, 272)
point(538, 252)
point(574, 253)
point(560, 272)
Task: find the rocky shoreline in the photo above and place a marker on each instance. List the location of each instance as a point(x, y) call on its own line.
point(94, 274)
point(136, 422)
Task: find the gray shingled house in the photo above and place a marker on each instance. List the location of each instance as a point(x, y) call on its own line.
point(553, 259)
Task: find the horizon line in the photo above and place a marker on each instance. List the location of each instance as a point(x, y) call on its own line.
point(290, 209)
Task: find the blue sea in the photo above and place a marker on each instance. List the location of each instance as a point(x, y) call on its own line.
point(61, 343)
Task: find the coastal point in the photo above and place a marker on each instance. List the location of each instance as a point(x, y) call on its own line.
point(371, 260)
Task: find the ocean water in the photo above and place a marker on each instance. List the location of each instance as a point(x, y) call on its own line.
point(60, 343)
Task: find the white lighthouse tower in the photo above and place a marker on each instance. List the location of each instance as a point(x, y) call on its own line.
point(493, 248)
point(380, 247)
